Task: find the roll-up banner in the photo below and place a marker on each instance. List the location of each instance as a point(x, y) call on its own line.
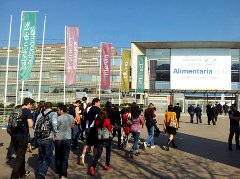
point(28, 44)
point(71, 54)
point(126, 56)
point(105, 65)
point(140, 73)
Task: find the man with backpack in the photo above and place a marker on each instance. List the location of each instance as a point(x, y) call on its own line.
point(18, 126)
point(45, 129)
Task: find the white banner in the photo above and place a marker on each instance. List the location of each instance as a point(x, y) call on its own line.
point(205, 69)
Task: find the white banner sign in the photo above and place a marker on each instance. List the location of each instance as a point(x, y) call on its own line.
point(203, 69)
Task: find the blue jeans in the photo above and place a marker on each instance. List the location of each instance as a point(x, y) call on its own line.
point(150, 138)
point(62, 151)
point(75, 135)
point(107, 144)
point(136, 136)
point(45, 154)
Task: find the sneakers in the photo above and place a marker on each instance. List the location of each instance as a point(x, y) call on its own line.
point(106, 167)
point(9, 157)
point(145, 145)
point(92, 171)
point(152, 147)
point(81, 161)
point(27, 174)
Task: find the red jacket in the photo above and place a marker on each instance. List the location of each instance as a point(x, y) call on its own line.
point(106, 124)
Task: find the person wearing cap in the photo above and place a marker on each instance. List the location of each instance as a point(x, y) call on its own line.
point(20, 140)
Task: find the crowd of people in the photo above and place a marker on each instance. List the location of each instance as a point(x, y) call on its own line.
point(61, 130)
point(212, 110)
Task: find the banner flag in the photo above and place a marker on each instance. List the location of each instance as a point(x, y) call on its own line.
point(105, 65)
point(71, 54)
point(152, 76)
point(140, 73)
point(126, 56)
point(28, 44)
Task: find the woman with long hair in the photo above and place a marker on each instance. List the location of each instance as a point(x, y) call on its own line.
point(170, 126)
point(102, 121)
point(137, 123)
point(150, 118)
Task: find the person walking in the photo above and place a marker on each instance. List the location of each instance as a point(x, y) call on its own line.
point(20, 138)
point(170, 126)
point(225, 109)
point(94, 110)
point(45, 129)
point(137, 123)
point(215, 113)
point(62, 140)
point(74, 110)
point(191, 112)
point(150, 121)
point(83, 109)
point(177, 109)
point(198, 112)
point(234, 116)
point(102, 121)
point(209, 113)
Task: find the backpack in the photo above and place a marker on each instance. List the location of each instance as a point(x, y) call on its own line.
point(43, 126)
point(149, 119)
point(71, 110)
point(15, 121)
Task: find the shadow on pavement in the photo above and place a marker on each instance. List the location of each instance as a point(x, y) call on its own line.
point(206, 148)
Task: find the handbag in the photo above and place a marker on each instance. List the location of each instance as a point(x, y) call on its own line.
point(156, 131)
point(172, 122)
point(104, 134)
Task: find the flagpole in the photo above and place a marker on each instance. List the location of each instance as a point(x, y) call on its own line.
point(64, 76)
point(100, 65)
point(22, 91)
point(120, 73)
point(40, 78)
point(19, 44)
point(7, 63)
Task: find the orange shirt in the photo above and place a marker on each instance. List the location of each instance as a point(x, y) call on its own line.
point(168, 116)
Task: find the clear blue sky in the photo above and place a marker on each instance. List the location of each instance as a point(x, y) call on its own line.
point(123, 21)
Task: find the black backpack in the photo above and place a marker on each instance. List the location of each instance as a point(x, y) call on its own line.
point(15, 121)
point(43, 126)
point(149, 119)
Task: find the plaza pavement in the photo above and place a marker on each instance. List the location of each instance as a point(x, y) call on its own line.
point(202, 153)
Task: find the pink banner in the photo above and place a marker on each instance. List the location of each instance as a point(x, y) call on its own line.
point(71, 54)
point(105, 66)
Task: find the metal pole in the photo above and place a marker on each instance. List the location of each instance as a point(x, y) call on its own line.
point(64, 75)
point(19, 46)
point(40, 78)
point(7, 63)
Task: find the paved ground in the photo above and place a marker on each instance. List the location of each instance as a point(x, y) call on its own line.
point(201, 153)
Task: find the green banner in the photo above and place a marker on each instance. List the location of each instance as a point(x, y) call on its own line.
point(126, 56)
point(140, 73)
point(28, 44)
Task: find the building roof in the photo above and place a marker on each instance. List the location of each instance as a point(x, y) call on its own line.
point(188, 44)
